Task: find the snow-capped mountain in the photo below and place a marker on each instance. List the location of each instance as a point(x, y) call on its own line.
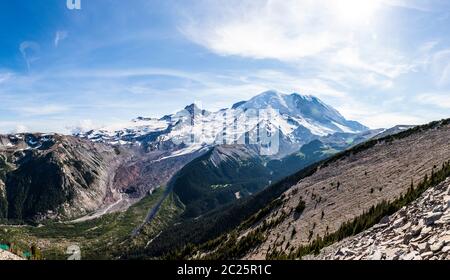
point(276, 123)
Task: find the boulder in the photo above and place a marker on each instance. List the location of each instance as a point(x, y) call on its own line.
point(426, 255)
point(410, 256)
point(430, 218)
point(415, 230)
point(446, 249)
point(377, 255)
point(445, 239)
point(437, 246)
point(423, 247)
point(399, 222)
point(384, 220)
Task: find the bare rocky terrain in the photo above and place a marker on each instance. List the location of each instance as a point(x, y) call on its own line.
point(345, 188)
point(7, 256)
point(419, 231)
point(55, 176)
point(65, 177)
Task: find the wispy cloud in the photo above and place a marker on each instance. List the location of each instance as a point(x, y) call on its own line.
point(439, 99)
point(59, 36)
point(44, 110)
point(418, 5)
point(302, 33)
point(30, 51)
point(5, 77)
point(440, 65)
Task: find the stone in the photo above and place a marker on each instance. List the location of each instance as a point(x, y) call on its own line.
point(415, 230)
point(376, 256)
point(349, 252)
point(406, 226)
point(357, 258)
point(426, 255)
point(378, 226)
point(399, 222)
point(407, 238)
point(410, 256)
point(425, 232)
point(422, 247)
point(446, 249)
point(445, 239)
point(340, 252)
point(444, 219)
point(430, 218)
point(402, 212)
point(385, 220)
point(437, 246)
point(391, 254)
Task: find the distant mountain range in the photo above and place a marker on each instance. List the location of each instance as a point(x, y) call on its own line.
point(290, 120)
point(172, 175)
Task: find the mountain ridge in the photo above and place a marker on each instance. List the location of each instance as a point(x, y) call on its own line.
point(299, 118)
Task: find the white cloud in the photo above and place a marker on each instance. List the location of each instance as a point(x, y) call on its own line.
point(59, 36)
point(329, 36)
point(260, 29)
point(390, 119)
point(83, 126)
point(375, 116)
point(29, 51)
point(440, 66)
point(5, 77)
point(51, 109)
point(20, 128)
point(441, 100)
point(419, 5)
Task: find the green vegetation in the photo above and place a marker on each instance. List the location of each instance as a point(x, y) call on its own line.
point(229, 246)
point(300, 207)
point(369, 218)
point(202, 186)
point(103, 238)
point(36, 187)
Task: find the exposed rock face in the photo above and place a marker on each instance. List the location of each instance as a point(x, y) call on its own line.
point(55, 176)
point(422, 234)
point(66, 177)
point(7, 256)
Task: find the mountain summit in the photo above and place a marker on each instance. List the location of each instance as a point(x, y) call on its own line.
point(280, 123)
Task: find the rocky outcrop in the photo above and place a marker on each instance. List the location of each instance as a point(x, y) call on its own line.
point(54, 176)
point(419, 231)
point(66, 177)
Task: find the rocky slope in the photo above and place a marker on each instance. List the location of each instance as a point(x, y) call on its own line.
point(345, 187)
point(7, 256)
point(320, 199)
point(351, 183)
point(65, 177)
point(54, 176)
point(419, 231)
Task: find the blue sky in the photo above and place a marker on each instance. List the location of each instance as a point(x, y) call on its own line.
point(380, 62)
